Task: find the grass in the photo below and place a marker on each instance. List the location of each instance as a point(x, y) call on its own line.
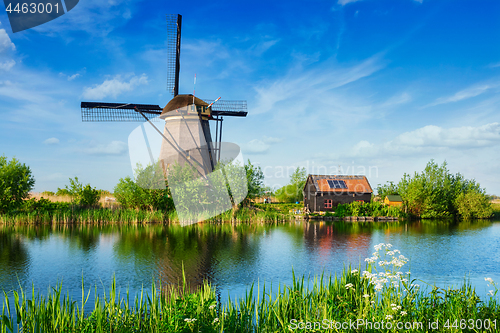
point(64, 213)
point(105, 200)
point(327, 304)
point(496, 209)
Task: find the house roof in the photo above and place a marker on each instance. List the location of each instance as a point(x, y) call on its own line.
point(394, 198)
point(355, 184)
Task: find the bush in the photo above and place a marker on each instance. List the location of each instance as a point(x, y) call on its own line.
point(436, 193)
point(373, 208)
point(81, 195)
point(473, 205)
point(16, 181)
point(131, 195)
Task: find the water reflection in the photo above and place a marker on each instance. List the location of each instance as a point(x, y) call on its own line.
point(232, 257)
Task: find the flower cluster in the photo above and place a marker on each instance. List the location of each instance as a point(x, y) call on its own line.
point(491, 283)
point(190, 320)
point(390, 261)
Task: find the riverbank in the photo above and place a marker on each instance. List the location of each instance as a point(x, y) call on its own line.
point(381, 298)
point(65, 213)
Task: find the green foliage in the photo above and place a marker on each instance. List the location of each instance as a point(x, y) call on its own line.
point(132, 196)
point(48, 193)
point(255, 181)
point(387, 189)
point(293, 191)
point(436, 193)
point(82, 195)
point(473, 205)
point(62, 192)
point(373, 208)
point(381, 294)
point(149, 192)
point(16, 181)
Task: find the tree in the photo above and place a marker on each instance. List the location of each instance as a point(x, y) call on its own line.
point(81, 195)
point(388, 188)
point(293, 191)
point(16, 181)
point(149, 192)
point(255, 181)
point(436, 193)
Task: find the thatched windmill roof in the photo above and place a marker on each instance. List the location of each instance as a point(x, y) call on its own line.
point(180, 101)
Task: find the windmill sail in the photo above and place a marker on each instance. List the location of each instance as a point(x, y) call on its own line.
point(174, 23)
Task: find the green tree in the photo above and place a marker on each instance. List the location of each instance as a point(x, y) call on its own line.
point(255, 181)
point(293, 191)
point(434, 192)
point(82, 195)
point(16, 181)
point(388, 188)
point(149, 192)
point(473, 205)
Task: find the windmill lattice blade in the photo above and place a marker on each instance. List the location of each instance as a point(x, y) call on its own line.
point(228, 108)
point(99, 111)
point(174, 22)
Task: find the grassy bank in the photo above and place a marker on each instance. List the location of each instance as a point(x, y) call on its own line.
point(354, 301)
point(65, 213)
point(496, 210)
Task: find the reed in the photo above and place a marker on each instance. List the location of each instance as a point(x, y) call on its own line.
point(327, 304)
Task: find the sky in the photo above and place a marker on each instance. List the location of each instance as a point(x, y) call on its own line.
point(367, 87)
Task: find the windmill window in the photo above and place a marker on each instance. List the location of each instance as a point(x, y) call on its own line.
point(328, 203)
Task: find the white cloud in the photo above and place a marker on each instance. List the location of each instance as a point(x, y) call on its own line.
point(396, 100)
point(308, 86)
point(469, 92)
point(6, 66)
point(113, 148)
point(51, 141)
point(271, 140)
point(74, 76)
point(432, 138)
point(114, 87)
point(5, 42)
point(345, 2)
point(255, 147)
point(457, 137)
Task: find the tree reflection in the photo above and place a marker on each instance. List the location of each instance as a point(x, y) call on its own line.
point(13, 258)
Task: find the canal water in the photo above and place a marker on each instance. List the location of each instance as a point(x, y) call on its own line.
point(232, 257)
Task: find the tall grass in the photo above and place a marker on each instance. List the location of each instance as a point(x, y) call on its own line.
point(349, 302)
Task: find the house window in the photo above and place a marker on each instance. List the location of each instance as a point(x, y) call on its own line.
point(328, 203)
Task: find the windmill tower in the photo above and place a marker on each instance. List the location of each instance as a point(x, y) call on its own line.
point(186, 135)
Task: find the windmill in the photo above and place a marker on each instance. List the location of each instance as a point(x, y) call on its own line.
point(187, 139)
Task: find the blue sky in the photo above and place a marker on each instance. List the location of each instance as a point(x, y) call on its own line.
point(340, 86)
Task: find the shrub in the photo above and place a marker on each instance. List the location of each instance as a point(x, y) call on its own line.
point(16, 181)
point(131, 195)
point(473, 205)
point(81, 195)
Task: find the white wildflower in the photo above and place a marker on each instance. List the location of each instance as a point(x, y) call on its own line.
point(215, 321)
point(490, 280)
point(403, 313)
point(349, 285)
point(212, 306)
point(388, 317)
point(366, 295)
point(354, 271)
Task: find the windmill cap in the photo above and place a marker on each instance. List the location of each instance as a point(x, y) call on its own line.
point(181, 101)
